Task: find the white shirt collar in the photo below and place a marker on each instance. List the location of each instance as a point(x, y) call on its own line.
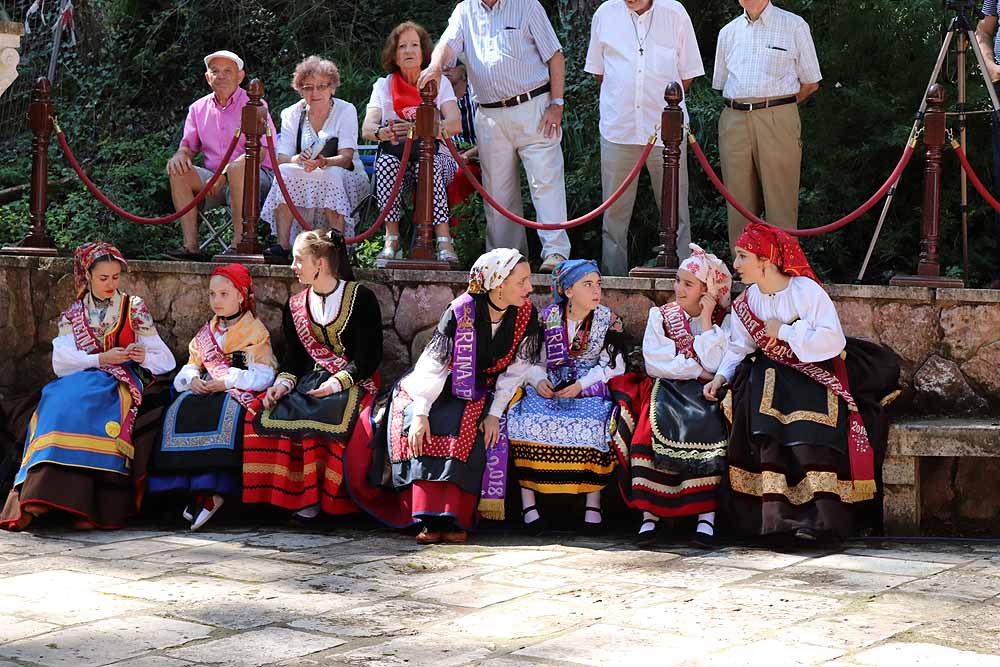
point(765, 13)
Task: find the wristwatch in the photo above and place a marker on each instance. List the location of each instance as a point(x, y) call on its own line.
point(558, 101)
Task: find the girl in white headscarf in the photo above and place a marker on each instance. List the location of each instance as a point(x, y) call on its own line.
point(439, 456)
point(671, 441)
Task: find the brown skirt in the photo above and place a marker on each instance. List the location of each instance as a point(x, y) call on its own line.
point(105, 499)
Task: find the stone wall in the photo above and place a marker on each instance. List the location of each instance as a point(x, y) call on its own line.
point(948, 340)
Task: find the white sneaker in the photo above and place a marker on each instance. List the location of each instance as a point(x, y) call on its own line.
point(551, 262)
point(212, 506)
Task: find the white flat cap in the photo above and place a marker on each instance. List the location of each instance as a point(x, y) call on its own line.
point(228, 55)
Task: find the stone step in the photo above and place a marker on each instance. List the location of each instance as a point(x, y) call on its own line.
point(911, 440)
point(945, 437)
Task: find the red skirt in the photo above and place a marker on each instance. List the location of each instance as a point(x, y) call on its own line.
point(296, 474)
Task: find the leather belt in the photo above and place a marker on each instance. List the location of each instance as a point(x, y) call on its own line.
point(750, 106)
point(517, 99)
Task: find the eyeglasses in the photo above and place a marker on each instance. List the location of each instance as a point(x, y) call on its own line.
point(319, 86)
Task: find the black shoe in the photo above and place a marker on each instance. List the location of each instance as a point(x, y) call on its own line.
point(806, 536)
point(182, 255)
point(592, 529)
point(648, 538)
point(277, 255)
point(538, 526)
point(703, 540)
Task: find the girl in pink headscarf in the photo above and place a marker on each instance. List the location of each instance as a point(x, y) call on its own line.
point(671, 441)
point(92, 432)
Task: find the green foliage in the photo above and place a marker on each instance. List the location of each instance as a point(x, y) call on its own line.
point(122, 106)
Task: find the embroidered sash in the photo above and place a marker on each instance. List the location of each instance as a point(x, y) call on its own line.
point(88, 341)
point(862, 456)
point(677, 326)
point(559, 361)
point(463, 357)
point(217, 364)
point(320, 353)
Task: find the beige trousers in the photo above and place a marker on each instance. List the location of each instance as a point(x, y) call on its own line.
point(761, 154)
point(617, 161)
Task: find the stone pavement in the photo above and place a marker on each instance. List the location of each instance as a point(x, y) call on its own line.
point(253, 597)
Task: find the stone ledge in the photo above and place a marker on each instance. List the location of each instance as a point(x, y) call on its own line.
point(968, 295)
point(945, 437)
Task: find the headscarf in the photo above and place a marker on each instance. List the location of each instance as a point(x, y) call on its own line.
point(567, 273)
point(239, 276)
point(491, 269)
point(777, 245)
point(85, 256)
point(712, 271)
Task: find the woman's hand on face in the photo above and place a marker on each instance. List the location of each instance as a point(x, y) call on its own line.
point(420, 434)
point(708, 304)
point(491, 430)
point(544, 389)
point(274, 393)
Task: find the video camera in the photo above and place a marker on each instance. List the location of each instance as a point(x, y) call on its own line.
point(969, 8)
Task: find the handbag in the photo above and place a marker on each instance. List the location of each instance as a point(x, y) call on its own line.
point(330, 148)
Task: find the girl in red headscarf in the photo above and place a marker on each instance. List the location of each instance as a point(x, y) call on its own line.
point(808, 421)
point(229, 362)
point(90, 437)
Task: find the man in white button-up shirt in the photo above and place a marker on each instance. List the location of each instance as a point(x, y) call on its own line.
point(765, 65)
point(637, 47)
point(517, 71)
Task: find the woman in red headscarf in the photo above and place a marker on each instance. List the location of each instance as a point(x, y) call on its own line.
point(809, 427)
point(229, 363)
point(88, 441)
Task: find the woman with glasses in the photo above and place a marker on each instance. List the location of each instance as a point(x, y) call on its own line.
point(317, 159)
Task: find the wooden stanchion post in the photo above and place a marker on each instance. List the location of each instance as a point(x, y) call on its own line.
point(929, 264)
point(253, 125)
point(672, 132)
point(37, 243)
point(427, 129)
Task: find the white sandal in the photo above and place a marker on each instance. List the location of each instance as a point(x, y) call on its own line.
point(388, 253)
point(443, 254)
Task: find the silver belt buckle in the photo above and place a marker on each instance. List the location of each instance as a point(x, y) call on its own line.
point(750, 104)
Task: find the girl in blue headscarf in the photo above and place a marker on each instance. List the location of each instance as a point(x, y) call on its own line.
point(559, 423)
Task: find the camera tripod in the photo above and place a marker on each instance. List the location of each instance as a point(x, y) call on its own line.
point(962, 26)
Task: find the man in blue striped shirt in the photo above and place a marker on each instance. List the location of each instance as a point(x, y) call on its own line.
point(517, 71)
point(989, 42)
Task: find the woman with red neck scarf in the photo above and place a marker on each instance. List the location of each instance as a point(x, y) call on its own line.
point(390, 116)
point(809, 426)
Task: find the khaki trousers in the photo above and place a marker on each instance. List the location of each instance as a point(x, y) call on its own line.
point(761, 154)
point(617, 161)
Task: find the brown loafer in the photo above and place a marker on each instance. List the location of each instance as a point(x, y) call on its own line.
point(426, 536)
point(455, 537)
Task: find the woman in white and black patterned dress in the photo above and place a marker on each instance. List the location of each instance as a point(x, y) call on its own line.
point(390, 116)
point(317, 158)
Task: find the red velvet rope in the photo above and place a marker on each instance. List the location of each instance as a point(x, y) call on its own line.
point(554, 225)
point(973, 178)
point(816, 231)
point(368, 233)
point(118, 210)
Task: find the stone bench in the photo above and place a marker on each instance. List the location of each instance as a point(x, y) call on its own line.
point(909, 441)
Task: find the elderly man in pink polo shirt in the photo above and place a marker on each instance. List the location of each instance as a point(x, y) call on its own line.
point(211, 123)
